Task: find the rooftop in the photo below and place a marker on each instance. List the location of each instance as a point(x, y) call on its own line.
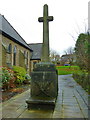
point(37, 50)
point(7, 30)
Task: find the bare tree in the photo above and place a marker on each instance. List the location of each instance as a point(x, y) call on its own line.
point(69, 50)
point(54, 56)
point(78, 29)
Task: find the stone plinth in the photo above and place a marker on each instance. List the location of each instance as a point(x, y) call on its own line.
point(44, 84)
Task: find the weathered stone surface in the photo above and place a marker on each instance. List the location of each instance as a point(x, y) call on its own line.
point(45, 66)
point(41, 103)
point(44, 85)
point(45, 19)
point(62, 109)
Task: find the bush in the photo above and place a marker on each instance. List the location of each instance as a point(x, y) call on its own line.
point(83, 78)
point(82, 55)
point(20, 74)
point(8, 79)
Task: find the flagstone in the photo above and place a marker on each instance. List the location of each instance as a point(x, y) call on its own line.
point(69, 104)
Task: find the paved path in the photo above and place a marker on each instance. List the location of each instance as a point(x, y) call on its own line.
point(72, 102)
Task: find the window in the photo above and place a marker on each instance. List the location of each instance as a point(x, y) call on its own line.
point(9, 49)
point(24, 53)
point(27, 58)
point(27, 55)
point(14, 55)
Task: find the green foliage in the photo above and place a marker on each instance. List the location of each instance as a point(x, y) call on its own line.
point(82, 50)
point(5, 75)
point(20, 73)
point(83, 78)
point(7, 78)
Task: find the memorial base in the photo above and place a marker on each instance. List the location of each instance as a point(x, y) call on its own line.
point(44, 86)
point(38, 103)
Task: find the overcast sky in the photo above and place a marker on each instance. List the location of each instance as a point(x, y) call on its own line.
point(70, 19)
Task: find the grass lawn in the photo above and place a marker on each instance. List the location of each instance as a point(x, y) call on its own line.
point(65, 70)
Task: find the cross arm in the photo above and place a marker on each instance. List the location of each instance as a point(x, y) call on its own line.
point(50, 18)
point(40, 19)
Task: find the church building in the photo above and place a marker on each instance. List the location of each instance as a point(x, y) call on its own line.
point(36, 54)
point(15, 51)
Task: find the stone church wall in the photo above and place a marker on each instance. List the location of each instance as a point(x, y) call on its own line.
point(0, 50)
point(21, 60)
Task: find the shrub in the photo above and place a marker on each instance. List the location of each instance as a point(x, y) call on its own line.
point(7, 78)
point(5, 75)
point(83, 78)
point(82, 55)
point(20, 73)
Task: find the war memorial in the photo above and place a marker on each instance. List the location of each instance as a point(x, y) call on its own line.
point(44, 78)
point(50, 95)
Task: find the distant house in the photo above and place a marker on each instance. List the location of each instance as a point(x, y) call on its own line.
point(15, 51)
point(68, 59)
point(36, 54)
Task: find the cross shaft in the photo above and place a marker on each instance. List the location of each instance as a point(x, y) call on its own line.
point(45, 19)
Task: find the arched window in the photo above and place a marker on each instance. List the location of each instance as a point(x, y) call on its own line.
point(24, 53)
point(9, 49)
point(27, 58)
point(14, 55)
point(27, 55)
point(15, 49)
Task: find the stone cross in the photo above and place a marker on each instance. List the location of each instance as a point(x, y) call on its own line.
point(45, 19)
point(44, 78)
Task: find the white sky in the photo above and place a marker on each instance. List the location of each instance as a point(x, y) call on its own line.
point(70, 17)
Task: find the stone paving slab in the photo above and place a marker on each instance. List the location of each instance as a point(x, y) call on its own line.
point(73, 105)
point(36, 114)
point(72, 102)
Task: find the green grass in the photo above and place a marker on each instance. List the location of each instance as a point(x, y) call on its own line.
point(65, 70)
